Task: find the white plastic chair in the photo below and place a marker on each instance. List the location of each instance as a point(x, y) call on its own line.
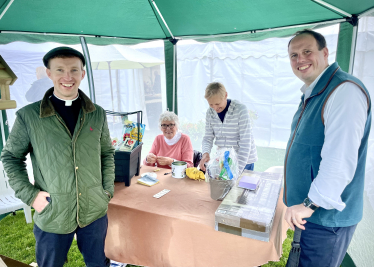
point(276, 169)
point(8, 202)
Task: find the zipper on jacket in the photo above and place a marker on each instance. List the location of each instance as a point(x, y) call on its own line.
point(288, 150)
point(63, 123)
point(301, 114)
point(75, 166)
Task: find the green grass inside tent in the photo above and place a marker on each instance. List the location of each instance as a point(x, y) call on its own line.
point(17, 239)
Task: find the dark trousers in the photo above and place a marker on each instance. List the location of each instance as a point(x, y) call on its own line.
point(324, 246)
point(249, 167)
point(52, 249)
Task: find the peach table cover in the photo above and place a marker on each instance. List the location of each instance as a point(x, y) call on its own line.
point(178, 229)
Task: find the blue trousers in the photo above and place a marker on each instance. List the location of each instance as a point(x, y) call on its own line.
point(249, 167)
point(52, 249)
point(324, 246)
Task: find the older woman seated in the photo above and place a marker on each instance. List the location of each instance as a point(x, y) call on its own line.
point(172, 145)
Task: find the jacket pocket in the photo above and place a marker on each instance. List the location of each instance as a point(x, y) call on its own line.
point(45, 209)
point(97, 202)
point(57, 216)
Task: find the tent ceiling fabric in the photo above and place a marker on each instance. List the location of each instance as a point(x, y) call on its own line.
point(139, 20)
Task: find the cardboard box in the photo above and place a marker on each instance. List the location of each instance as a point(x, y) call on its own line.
point(250, 213)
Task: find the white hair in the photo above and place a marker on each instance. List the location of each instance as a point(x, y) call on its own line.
point(169, 116)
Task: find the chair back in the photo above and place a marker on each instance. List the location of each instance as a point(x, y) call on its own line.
point(197, 155)
point(5, 188)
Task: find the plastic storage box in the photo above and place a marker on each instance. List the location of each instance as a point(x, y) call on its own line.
point(250, 213)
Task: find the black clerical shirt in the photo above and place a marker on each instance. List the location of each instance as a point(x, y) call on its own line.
point(69, 114)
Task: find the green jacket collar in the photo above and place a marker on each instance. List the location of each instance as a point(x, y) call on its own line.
point(47, 109)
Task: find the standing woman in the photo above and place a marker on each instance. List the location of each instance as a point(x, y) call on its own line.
point(228, 122)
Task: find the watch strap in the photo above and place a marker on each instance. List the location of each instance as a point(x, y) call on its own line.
point(309, 204)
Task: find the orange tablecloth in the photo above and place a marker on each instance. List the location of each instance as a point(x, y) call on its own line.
point(178, 229)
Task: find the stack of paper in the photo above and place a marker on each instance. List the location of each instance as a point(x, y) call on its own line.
point(148, 179)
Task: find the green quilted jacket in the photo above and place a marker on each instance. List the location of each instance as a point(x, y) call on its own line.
point(75, 170)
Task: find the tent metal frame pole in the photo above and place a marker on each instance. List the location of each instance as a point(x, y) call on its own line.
point(6, 9)
point(266, 30)
point(111, 85)
point(174, 59)
point(334, 8)
point(163, 20)
point(89, 68)
point(353, 48)
point(2, 128)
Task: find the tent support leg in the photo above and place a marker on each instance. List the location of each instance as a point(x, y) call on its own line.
point(353, 48)
point(88, 68)
point(171, 74)
point(345, 52)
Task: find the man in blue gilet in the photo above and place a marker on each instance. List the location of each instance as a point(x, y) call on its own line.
point(324, 167)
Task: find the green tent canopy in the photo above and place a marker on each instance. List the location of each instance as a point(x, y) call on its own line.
point(134, 21)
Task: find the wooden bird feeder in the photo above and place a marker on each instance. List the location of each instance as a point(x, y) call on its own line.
point(7, 77)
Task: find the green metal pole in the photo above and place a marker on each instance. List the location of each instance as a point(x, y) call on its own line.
point(88, 68)
point(346, 48)
point(170, 47)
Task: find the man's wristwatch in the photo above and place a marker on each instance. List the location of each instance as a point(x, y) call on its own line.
point(309, 204)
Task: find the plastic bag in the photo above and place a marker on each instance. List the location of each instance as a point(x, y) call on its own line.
point(222, 171)
point(130, 131)
point(224, 165)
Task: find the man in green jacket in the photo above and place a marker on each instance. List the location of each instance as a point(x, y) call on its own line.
point(68, 139)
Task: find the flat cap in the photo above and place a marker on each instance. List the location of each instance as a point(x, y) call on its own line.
point(62, 51)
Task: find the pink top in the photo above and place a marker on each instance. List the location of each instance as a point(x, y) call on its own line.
point(181, 151)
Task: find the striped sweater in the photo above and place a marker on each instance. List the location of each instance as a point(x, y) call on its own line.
point(235, 131)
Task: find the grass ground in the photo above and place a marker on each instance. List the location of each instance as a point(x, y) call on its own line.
point(17, 240)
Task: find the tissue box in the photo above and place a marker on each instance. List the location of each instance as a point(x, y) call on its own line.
point(250, 213)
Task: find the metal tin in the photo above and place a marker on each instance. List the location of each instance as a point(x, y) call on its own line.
point(178, 169)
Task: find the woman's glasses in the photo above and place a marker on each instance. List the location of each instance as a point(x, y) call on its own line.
point(165, 126)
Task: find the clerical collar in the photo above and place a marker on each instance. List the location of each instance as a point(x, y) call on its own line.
point(67, 102)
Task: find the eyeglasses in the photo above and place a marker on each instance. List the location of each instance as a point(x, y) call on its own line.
point(165, 126)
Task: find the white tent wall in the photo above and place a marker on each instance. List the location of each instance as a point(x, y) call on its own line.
point(256, 73)
point(128, 95)
point(25, 58)
point(362, 245)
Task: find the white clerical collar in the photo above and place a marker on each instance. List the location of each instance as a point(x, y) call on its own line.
point(67, 102)
point(175, 139)
point(307, 90)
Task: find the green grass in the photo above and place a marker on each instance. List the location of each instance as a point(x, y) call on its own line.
point(17, 241)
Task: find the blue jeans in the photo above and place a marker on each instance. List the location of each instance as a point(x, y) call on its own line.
point(52, 249)
point(324, 246)
point(249, 167)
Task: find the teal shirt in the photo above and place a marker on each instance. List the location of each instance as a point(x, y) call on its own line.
point(304, 147)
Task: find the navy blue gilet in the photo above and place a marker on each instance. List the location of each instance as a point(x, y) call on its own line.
point(303, 154)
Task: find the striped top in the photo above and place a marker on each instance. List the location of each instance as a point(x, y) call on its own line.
point(235, 131)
